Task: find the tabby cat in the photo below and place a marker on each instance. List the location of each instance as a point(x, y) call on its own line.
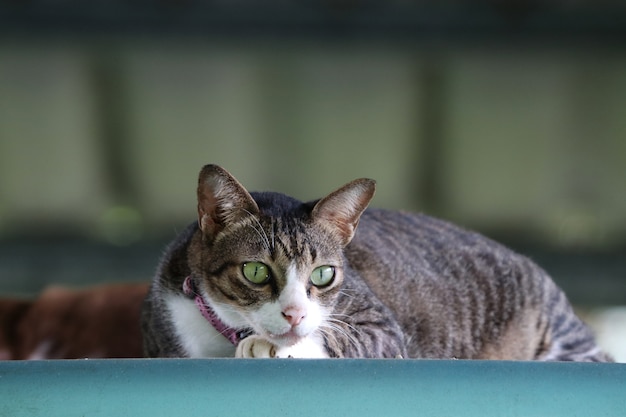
point(265, 275)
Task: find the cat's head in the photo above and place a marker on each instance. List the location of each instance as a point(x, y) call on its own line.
point(272, 263)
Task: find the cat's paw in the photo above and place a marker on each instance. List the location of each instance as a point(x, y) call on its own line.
point(255, 347)
point(310, 347)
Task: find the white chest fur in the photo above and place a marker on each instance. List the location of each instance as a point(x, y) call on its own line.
point(196, 335)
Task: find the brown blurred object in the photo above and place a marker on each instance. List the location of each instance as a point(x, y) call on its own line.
point(62, 323)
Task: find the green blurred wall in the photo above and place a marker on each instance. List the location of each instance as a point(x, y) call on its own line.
point(101, 142)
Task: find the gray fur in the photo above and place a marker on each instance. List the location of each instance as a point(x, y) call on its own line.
point(413, 286)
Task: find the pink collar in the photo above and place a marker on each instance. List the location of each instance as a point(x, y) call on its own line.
point(234, 336)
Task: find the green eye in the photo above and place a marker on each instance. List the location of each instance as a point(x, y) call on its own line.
point(322, 275)
point(256, 272)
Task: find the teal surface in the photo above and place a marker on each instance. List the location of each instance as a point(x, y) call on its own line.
point(257, 388)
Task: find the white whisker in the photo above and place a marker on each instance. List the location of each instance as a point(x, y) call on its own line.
point(345, 293)
point(260, 231)
point(332, 330)
point(351, 327)
point(333, 326)
point(334, 315)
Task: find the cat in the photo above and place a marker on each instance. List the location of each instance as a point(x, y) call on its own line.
point(265, 275)
point(61, 323)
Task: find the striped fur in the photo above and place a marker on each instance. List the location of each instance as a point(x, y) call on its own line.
point(405, 284)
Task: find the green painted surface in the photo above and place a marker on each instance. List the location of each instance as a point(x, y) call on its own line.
point(310, 388)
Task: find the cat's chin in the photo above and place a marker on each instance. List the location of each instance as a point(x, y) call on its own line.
point(286, 339)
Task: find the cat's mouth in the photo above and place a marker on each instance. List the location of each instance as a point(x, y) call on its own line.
point(285, 339)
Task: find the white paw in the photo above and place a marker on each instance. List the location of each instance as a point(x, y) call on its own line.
point(310, 347)
point(255, 347)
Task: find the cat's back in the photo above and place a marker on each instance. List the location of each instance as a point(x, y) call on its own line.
point(428, 243)
point(459, 294)
point(445, 284)
point(416, 250)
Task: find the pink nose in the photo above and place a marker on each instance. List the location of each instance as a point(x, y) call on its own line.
point(294, 315)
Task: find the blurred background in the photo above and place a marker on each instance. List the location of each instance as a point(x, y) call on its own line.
point(508, 117)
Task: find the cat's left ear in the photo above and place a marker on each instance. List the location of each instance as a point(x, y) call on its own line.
point(342, 209)
point(222, 200)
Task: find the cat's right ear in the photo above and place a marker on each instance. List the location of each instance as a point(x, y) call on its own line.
point(222, 200)
point(342, 209)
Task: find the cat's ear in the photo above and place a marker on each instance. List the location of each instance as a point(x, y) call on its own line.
point(222, 200)
point(342, 209)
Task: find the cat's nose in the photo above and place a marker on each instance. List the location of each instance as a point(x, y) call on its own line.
point(294, 315)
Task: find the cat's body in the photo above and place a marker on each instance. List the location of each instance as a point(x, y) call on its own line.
point(304, 284)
